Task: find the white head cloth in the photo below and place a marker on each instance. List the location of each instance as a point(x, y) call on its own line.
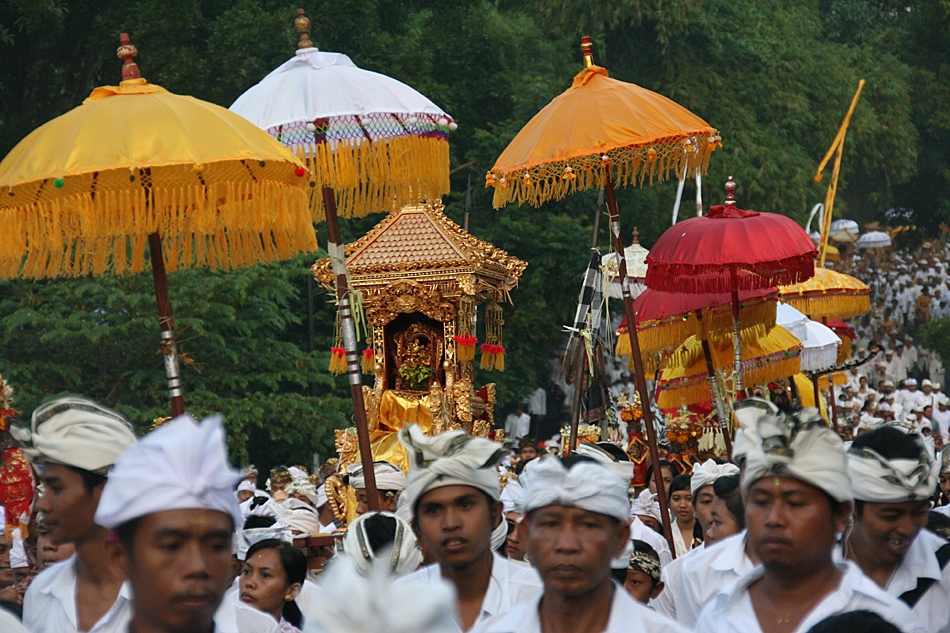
point(388, 476)
point(798, 446)
point(622, 468)
point(708, 472)
point(586, 485)
point(879, 480)
point(297, 516)
point(76, 432)
point(646, 505)
point(403, 555)
point(246, 538)
point(246, 485)
point(297, 473)
point(500, 534)
point(181, 465)
point(321, 496)
point(304, 487)
point(354, 603)
point(453, 458)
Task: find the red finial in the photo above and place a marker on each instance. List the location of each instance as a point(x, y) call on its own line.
point(730, 190)
point(588, 49)
point(126, 52)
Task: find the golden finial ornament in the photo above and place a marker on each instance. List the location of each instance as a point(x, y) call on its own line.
point(730, 188)
point(302, 26)
point(636, 235)
point(588, 49)
point(126, 52)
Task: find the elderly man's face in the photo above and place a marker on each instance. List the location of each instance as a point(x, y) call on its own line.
point(887, 530)
point(572, 548)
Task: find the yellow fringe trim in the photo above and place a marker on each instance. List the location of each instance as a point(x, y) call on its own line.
point(218, 227)
point(378, 175)
point(844, 350)
point(840, 306)
point(629, 164)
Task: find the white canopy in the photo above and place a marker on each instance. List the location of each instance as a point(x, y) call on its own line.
point(845, 225)
point(874, 239)
point(819, 342)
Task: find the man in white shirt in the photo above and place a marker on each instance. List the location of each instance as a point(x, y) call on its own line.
point(941, 416)
point(518, 424)
point(798, 500)
point(452, 495)
point(893, 475)
point(575, 524)
point(538, 409)
point(75, 443)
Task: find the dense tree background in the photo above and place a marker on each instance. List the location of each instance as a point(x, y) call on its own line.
point(775, 78)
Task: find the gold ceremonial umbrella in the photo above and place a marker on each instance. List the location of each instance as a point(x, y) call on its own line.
point(828, 294)
point(599, 131)
point(136, 165)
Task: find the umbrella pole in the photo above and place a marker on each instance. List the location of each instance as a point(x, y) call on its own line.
point(639, 377)
point(737, 338)
point(579, 367)
point(814, 382)
point(338, 260)
point(166, 322)
point(723, 423)
point(834, 405)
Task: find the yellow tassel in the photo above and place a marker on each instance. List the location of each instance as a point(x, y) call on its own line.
point(500, 361)
point(337, 360)
point(368, 363)
point(622, 348)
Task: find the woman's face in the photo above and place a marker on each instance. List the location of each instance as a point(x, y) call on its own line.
point(666, 474)
point(681, 503)
point(264, 583)
point(721, 524)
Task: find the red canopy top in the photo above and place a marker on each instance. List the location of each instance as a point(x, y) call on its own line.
point(730, 249)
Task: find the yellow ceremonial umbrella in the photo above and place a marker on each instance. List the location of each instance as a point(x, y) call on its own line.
point(686, 379)
point(828, 294)
point(599, 131)
point(136, 165)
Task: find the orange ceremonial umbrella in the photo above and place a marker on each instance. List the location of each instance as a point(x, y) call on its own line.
point(828, 294)
point(598, 132)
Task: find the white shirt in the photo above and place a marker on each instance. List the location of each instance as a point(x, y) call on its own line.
point(517, 425)
point(234, 616)
point(732, 610)
point(703, 576)
point(626, 615)
point(942, 420)
point(537, 402)
point(9, 623)
point(509, 586)
point(933, 608)
point(49, 605)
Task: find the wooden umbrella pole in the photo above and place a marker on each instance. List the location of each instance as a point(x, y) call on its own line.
point(166, 322)
point(814, 384)
point(639, 377)
point(834, 405)
point(723, 422)
point(338, 261)
point(579, 367)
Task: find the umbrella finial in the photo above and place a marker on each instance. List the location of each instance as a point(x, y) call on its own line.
point(302, 26)
point(636, 235)
point(126, 52)
point(588, 49)
point(730, 191)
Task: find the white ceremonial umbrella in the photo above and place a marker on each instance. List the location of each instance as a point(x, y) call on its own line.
point(874, 239)
point(845, 225)
point(636, 257)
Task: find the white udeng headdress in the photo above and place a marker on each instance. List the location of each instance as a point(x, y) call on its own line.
point(796, 445)
point(706, 474)
point(403, 555)
point(75, 432)
point(880, 480)
point(646, 505)
point(353, 603)
point(453, 458)
point(181, 465)
point(388, 476)
point(586, 485)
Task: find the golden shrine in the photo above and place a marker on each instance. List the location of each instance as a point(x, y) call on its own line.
point(422, 278)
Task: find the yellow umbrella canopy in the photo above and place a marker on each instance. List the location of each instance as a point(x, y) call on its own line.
point(685, 380)
point(828, 294)
point(81, 194)
point(600, 122)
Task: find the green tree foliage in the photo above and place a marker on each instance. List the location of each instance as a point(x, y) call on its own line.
point(774, 77)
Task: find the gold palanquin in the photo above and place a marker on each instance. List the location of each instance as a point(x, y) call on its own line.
point(422, 277)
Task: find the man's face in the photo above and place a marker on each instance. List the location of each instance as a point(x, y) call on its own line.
point(702, 504)
point(515, 548)
point(244, 495)
point(68, 506)
point(791, 526)
point(527, 454)
point(387, 502)
point(455, 523)
point(887, 530)
point(572, 548)
point(641, 587)
point(179, 568)
point(945, 483)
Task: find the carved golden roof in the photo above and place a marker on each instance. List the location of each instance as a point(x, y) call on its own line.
point(420, 243)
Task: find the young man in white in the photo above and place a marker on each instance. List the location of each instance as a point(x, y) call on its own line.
point(75, 443)
point(893, 475)
point(798, 501)
point(452, 497)
point(575, 524)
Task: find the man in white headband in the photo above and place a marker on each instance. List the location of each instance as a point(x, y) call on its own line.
point(170, 502)
point(74, 443)
point(798, 501)
point(390, 481)
point(452, 493)
point(893, 477)
point(575, 524)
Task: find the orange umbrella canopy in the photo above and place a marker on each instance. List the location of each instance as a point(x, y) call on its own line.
point(599, 122)
point(828, 294)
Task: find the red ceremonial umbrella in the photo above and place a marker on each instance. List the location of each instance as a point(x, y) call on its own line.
point(727, 251)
